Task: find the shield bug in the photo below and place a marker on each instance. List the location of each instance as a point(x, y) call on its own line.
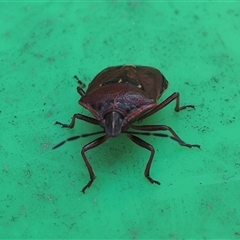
point(118, 97)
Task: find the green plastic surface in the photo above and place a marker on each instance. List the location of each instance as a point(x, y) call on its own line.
point(43, 45)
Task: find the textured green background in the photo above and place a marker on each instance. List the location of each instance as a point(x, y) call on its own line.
point(196, 46)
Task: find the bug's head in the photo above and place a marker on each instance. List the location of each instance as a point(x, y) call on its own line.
point(113, 123)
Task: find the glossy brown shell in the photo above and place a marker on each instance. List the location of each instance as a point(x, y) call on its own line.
point(128, 89)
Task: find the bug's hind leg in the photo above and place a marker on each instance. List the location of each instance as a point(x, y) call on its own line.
point(80, 87)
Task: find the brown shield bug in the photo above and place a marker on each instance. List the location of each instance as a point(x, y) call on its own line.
point(119, 96)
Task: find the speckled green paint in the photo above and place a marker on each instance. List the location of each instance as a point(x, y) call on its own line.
point(43, 45)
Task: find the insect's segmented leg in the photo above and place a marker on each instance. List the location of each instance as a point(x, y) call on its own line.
point(80, 87)
point(81, 84)
point(149, 147)
point(87, 147)
point(174, 96)
point(81, 117)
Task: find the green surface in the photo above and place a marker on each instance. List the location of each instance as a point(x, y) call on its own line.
point(43, 45)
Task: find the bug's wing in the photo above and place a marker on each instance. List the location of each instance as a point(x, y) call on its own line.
point(153, 81)
point(148, 79)
point(102, 77)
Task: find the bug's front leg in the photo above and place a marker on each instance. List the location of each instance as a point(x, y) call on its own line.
point(149, 147)
point(87, 147)
point(78, 116)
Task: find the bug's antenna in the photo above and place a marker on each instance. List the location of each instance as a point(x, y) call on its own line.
point(181, 142)
point(76, 137)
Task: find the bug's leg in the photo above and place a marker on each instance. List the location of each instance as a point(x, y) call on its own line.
point(80, 87)
point(149, 147)
point(81, 117)
point(87, 147)
point(164, 128)
point(174, 96)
